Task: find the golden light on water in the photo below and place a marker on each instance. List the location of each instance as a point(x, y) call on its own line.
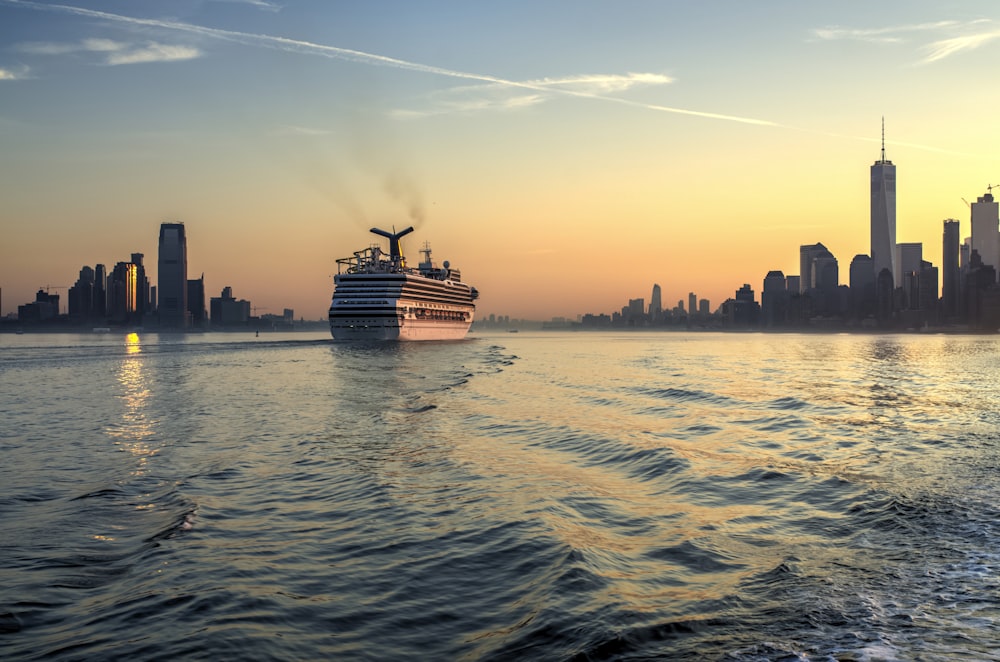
point(134, 429)
point(132, 344)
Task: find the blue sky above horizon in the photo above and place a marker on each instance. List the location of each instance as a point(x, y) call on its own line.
point(566, 155)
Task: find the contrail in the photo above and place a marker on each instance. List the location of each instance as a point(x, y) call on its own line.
point(298, 46)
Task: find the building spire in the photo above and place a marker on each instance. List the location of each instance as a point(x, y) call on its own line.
point(883, 139)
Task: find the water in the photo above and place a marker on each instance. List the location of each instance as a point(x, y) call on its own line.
point(534, 496)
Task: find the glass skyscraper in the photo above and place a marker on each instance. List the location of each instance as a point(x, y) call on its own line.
point(883, 218)
point(172, 287)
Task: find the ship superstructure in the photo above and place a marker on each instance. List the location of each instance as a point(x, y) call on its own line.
point(377, 296)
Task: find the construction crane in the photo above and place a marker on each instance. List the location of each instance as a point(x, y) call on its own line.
point(254, 309)
point(53, 287)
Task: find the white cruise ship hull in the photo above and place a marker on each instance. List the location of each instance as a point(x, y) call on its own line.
point(399, 307)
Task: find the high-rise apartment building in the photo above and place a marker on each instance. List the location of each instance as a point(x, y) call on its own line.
point(172, 287)
point(986, 229)
point(883, 213)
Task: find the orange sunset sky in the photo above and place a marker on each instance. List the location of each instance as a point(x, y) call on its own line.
point(565, 155)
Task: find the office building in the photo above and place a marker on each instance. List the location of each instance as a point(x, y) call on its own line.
point(986, 229)
point(656, 303)
point(227, 311)
point(142, 305)
point(123, 293)
point(909, 258)
point(172, 289)
point(100, 291)
point(808, 255)
point(862, 287)
point(196, 302)
point(951, 274)
point(773, 300)
point(81, 296)
point(883, 213)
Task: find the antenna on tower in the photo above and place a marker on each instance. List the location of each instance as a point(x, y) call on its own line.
point(883, 138)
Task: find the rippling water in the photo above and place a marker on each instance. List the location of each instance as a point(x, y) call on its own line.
point(532, 496)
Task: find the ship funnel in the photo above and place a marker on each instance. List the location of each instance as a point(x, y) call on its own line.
point(394, 250)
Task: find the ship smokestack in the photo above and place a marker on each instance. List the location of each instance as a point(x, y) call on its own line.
point(395, 252)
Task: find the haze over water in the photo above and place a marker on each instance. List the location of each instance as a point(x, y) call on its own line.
point(512, 496)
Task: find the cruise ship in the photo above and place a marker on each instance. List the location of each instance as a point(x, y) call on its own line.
point(376, 296)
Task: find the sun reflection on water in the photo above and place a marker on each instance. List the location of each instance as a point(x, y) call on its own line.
point(133, 431)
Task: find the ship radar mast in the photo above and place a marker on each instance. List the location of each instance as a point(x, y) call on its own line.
point(426, 251)
point(395, 252)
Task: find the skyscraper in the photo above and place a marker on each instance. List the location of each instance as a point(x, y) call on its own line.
point(883, 213)
point(909, 256)
point(172, 287)
point(862, 285)
point(951, 275)
point(986, 229)
point(656, 303)
point(142, 305)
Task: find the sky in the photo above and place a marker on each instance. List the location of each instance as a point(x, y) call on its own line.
point(565, 155)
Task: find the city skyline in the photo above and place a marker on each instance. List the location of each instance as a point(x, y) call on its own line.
point(691, 146)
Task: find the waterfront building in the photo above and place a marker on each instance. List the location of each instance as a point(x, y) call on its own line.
point(773, 300)
point(909, 258)
point(927, 291)
point(172, 265)
point(883, 213)
point(951, 274)
point(655, 304)
point(884, 289)
point(227, 311)
point(692, 304)
point(196, 302)
point(142, 302)
point(862, 287)
point(986, 229)
point(808, 256)
point(742, 311)
point(81, 297)
point(123, 293)
point(100, 310)
point(45, 307)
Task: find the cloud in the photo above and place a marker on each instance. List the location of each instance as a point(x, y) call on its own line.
point(939, 50)
point(153, 52)
point(118, 52)
point(11, 74)
point(890, 34)
point(20, 72)
point(974, 36)
point(292, 130)
point(260, 4)
point(103, 45)
point(372, 59)
point(46, 48)
point(502, 97)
